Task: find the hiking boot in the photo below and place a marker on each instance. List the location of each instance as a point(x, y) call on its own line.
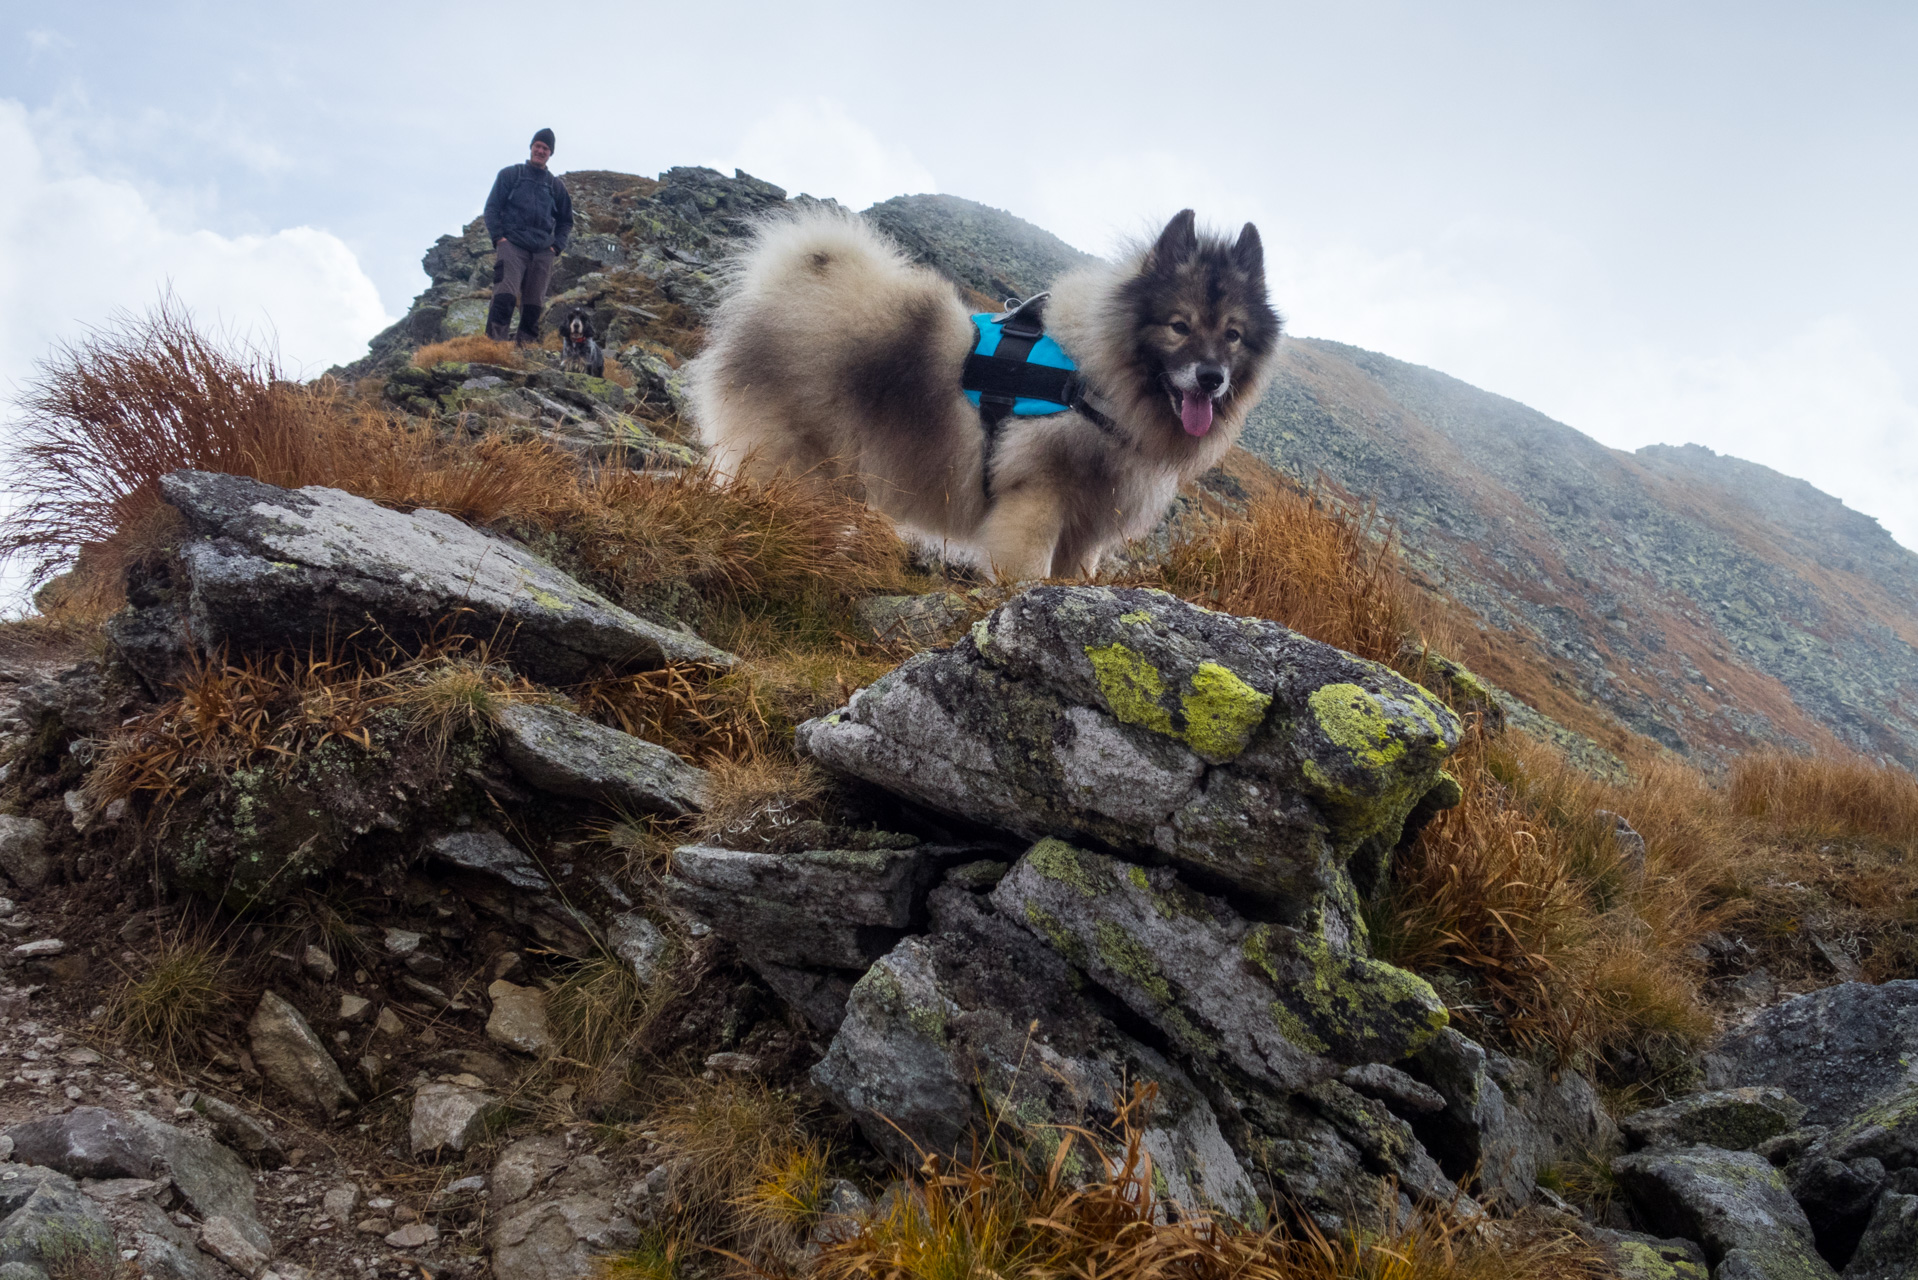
point(499, 317)
point(528, 327)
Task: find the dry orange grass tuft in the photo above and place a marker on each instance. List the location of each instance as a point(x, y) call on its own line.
point(1561, 938)
point(995, 1215)
point(105, 418)
point(1828, 796)
point(473, 348)
point(1321, 567)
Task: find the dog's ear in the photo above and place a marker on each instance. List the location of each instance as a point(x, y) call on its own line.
point(1178, 242)
point(1248, 251)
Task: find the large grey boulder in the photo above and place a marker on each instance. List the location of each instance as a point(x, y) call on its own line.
point(1732, 1202)
point(823, 908)
point(978, 1012)
point(1230, 747)
point(276, 567)
point(92, 1142)
point(1889, 1248)
point(1835, 1050)
point(1282, 1006)
point(1733, 1119)
point(292, 1057)
point(569, 755)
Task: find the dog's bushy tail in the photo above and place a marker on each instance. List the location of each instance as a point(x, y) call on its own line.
point(795, 254)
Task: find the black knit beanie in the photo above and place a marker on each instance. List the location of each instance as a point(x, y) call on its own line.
point(546, 136)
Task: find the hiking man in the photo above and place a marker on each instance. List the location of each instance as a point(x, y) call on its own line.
point(530, 218)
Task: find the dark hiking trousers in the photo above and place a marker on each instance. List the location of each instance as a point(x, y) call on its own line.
point(523, 277)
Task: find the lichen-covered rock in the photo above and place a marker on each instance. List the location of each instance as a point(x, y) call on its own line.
point(1886, 1131)
point(280, 568)
point(1835, 1050)
point(825, 908)
point(1889, 1248)
point(977, 1013)
point(1731, 1202)
point(292, 1057)
point(1228, 746)
point(1733, 1119)
point(569, 755)
point(1282, 1006)
point(1635, 1256)
point(49, 1224)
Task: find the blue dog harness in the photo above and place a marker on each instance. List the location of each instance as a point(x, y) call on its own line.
point(1016, 370)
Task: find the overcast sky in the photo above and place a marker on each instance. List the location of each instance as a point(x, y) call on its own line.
point(1654, 221)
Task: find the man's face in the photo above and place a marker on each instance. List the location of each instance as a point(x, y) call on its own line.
point(541, 153)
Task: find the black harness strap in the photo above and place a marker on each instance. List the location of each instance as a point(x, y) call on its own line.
point(1004, 377)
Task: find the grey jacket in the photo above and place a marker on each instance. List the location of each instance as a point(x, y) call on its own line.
point(530, 207)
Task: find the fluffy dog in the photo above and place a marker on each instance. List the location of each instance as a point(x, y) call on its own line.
point(833, 356)
point(579, 346)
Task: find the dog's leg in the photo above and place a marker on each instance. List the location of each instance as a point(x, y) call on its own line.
point(1019, 534)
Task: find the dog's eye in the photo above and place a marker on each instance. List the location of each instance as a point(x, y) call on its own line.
point(1231, 335)
point(1181, 328)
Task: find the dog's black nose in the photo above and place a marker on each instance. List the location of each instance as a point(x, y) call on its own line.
point(1211, 378)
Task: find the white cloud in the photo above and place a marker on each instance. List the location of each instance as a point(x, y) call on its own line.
point(80, 247)
point(814, 145)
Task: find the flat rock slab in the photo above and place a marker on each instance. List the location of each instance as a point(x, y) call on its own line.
point(1732, 1202)
point(271, 567)
point(1885, 1130)
point(92, 1142)
point(829, 908)
point(293, 1058)
point(1229, 746)
point(488, 852)
point(569, 755)
point(949, 1016)
point(1835, 1050)
point(1282, 1006)
point(1734, 1119)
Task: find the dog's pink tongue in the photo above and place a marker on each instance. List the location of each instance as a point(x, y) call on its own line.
point(1195, 412)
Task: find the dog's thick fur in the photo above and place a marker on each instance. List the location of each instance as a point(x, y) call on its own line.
point(579, 345)
point(833, 356)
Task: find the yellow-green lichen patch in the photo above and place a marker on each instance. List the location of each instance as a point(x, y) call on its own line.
point(1136, 617)
point(1354, 720)
point(1293, 1028)
point(1056, 860)
point(1221, 712)
point(980, 633)
point(1053, 931)
point(1137, 876)
point(1127, 957)
point(1446, 792)
point(1350, 999)
point(1131, 685)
